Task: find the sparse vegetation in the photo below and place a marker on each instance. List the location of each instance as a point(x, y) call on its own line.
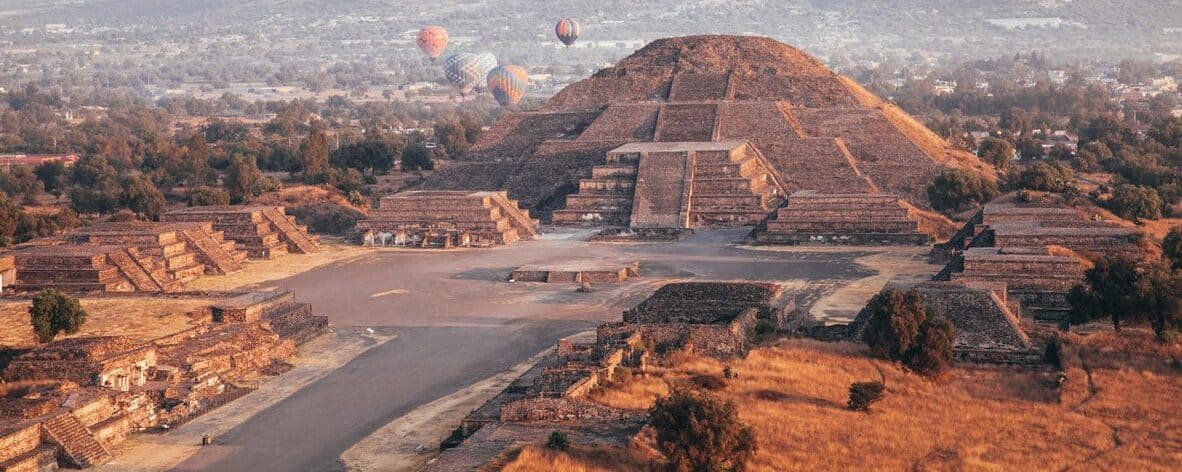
point(558, 441)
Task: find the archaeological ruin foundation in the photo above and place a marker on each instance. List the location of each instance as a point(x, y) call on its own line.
point(263, 232)
point(441, 219)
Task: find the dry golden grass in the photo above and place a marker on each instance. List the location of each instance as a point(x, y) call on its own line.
point(577, 459)
point(300, 195)
point(138, 317)
point(259, 272)
point(938, 226)
point(975, 418)
point(631, 393)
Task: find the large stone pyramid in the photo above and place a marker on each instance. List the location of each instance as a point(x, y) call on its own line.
point(789, 122)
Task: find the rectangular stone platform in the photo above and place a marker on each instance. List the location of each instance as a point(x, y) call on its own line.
point(457, 218)
point(90, 268)
point(594, 273)
point(813, 217)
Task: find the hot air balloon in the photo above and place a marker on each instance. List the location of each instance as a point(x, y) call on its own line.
point(508, 84)
point(485, 63)
point(432, 40)
point(567, 31)
point(463, 70)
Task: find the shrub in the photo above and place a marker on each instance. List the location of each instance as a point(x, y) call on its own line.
point(864, 394)
point(417, 157)
point(957, 189)
point(206, 196)
point(1158, 298)
point(729, 373)
point(141, 196)
point(708, 381)
point(53, 312)
point(1109, 289)
point(698, 431)
point(327, 218)
point(558, 441)
point(1046, 177)
point(900, 330)
point(1136, 203)
point(1171, 247)
point(995, 151)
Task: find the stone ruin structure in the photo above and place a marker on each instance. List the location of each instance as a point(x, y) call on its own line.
point(714, 318)
point(7, 272)
point(91, 268)
point(1036, 252)
point(188, 250)
point(263, 232)
point(444, 219)
point(987, 329)
point(758, 119)
point(591, 273)
point(675, 185)
point(71, 400)
point(812, 217)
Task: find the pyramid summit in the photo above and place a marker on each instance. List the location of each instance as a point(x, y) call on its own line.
point(789, 124)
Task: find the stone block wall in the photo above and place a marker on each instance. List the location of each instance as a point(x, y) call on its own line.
point(811, 217)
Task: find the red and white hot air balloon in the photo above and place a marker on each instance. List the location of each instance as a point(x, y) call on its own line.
point(432, 40)
point(567, 31)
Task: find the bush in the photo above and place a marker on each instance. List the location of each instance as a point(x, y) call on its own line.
point(53, 312)
point(558, 441)
point(1136, 203)
point(1109, 290)
point(996, 151)
point(1171, 247)
point(708, 381)
point(864, 394)
point(698, 431)
point(327, 218)
point(900, 329)
point(417, 157)
point(1045, 177)
point(141, 196)
point(957, 189)
point(206, 196)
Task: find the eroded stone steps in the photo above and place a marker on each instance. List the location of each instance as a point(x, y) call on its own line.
point(77, 441)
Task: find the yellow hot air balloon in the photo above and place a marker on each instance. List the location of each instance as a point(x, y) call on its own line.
point(508, 84)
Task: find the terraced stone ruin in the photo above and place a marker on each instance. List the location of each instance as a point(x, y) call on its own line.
point(703, 130)
point(71, 401)
point(446, 219)
point(811, 217)
point(264, 232)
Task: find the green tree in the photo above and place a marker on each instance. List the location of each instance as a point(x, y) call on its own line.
point(957, 189)
point(864, 394)
point(52, 176)
point(53, 312)
point(933, 347)
point(901, 330)
point(314, 153)
point(243, 179)
point(1046, 177)
point(373, 156)
point(450, 134)
point(20, 180)
point(141, 196)
point(1171, 247)
point(1159, 288)
point(417, 157)
point(1136, 203)
point(996, 151)
point(700, 432)
point(1109, 290)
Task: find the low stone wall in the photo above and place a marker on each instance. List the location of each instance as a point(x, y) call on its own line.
point(555, 409)
point(19, 441)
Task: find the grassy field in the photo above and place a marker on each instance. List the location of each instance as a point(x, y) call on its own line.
point(977, 418)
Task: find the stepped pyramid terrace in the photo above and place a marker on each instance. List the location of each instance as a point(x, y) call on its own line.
point(811, 217)
point(447, 219)
point(700, 131)
point(263, 232)
point(91, 268)
point(188, 249)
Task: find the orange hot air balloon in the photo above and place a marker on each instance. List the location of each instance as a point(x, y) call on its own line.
point(508, 84)
point(432, 41)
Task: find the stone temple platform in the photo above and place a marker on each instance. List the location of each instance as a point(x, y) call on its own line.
point(264, 232)
point(90, 268)
point(591, 272)
point(475, 218)
point(812, 217)
point(189, 250)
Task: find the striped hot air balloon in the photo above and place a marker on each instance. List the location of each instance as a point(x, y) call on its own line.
point(432, 41)
point(508, 84)
point(567, 31)
point(463, 70)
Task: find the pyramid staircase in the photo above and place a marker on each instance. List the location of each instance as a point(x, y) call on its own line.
point(711, 183)
point(158, 240)
point(605, 198)
point(253, 229)
point(219, 255)
point(296, 236)
point(144, 272)
point(811, 217)
point(78, 444)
